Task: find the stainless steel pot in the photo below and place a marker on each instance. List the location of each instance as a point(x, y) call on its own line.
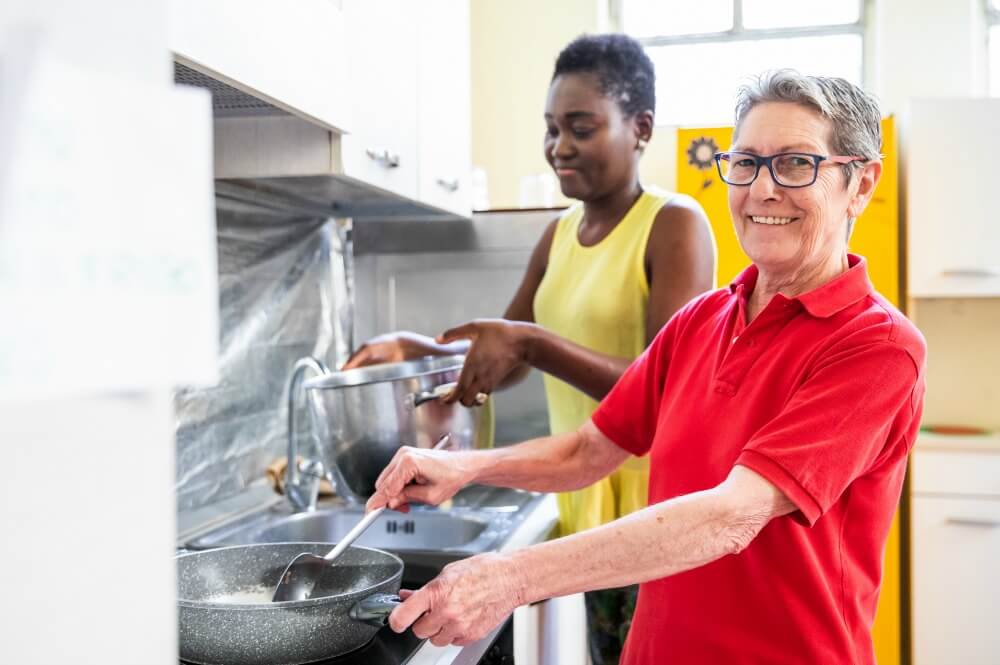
point(363, 416)
point(220, 622)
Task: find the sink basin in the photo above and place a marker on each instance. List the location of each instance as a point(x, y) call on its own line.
point(416, 530)
point(478, 519)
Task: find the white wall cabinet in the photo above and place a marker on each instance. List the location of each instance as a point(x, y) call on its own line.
point(387, 81)
point(956, 551)
point(444, 124)
point(410, 89)
point(291, 54)
point(382, 83)
point(953, 200)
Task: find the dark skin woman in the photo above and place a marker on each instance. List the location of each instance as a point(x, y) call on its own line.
point(601, 282)
point(594, 149)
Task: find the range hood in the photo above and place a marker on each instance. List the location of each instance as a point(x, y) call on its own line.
point(265, 155)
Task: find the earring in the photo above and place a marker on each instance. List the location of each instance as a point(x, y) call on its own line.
point(641, 144)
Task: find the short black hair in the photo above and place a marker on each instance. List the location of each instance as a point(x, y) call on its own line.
point(624, 70)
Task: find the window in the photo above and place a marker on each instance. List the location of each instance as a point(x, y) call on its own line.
point(993, 25)
point(704, 49)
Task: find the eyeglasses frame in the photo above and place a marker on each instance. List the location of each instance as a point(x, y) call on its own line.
point(765, 160)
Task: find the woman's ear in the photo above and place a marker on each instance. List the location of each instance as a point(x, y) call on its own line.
point(643, 124)
point(868, 178)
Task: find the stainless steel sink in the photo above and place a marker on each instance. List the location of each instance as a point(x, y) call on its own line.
point(477, 521)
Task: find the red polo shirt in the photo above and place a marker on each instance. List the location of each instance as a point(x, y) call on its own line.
point(820, 394)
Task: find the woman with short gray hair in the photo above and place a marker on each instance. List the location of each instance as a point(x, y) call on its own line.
point(778, 413)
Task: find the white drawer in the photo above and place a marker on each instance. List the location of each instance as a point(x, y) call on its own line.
point(955, 544)
point(961, 473)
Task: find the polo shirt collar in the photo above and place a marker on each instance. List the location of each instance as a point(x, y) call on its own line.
point(826, 300)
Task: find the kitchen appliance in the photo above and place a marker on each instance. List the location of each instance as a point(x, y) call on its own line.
point(363, 416)
point(227, 617)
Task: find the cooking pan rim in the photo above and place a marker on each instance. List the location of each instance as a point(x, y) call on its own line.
point(288, 604)
point(382, 373)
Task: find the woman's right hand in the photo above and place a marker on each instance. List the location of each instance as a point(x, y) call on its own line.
point(422, 475)
point(395, 347)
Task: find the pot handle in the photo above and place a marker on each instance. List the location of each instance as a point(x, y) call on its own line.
point(413, 400)
point(375, 609)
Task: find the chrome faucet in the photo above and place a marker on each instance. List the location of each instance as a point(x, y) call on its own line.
point(301, 485)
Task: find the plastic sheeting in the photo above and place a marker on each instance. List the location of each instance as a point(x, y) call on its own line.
point(283, 294)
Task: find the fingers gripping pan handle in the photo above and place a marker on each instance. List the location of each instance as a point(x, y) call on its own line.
point(375, 609)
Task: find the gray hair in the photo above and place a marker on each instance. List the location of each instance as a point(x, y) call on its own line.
point(853, 113)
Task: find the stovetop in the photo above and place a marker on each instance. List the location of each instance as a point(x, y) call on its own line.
point(386, 648)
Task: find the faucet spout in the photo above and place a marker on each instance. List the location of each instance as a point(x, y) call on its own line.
point(302, 495)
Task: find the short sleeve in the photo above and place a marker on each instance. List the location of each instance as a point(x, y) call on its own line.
point(837, 424)
point(628, 414)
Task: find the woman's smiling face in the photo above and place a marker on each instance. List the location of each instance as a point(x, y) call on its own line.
point(793, 231)
point(589, 142)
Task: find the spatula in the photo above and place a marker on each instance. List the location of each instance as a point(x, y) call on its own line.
point(305, 570)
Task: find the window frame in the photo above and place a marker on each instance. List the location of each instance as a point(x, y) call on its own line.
point(992, 15)
point(740, 33)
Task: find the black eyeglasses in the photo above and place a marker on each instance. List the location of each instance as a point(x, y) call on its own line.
point(788, 169)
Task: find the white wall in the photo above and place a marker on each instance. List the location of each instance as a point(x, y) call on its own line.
point(86, 503)
point(926, 48)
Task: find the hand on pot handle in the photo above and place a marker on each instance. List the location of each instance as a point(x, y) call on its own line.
point(417, 474)
point(445, 390)
point(499, 347)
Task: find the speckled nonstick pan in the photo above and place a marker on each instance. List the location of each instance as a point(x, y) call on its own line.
point(349, 605)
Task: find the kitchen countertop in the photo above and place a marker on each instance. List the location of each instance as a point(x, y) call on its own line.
point(959, 442)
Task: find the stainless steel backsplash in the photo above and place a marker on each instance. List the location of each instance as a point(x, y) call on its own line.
point(282, 293)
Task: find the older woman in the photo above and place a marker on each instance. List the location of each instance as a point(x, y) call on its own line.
point(778, 413)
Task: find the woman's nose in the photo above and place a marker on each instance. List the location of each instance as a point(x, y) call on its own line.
point(563, 146)
point(763, 187)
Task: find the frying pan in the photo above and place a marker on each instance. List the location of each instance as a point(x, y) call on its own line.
point(227, 617)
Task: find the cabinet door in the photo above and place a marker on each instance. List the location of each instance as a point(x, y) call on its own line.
point(381, 149)
point(953, 197)
point(956, 580)
point(443, 105)
point(290, 54)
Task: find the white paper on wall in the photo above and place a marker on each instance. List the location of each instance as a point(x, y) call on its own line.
point(107, 233)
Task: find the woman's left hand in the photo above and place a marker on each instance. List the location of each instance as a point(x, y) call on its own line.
point(498, 348)
point(465, 602)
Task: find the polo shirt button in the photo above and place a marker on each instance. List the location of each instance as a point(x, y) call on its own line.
point(735, 338)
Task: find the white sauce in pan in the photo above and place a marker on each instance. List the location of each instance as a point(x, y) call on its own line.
point(245, 597)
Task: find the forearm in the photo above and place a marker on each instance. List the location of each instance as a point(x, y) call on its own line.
point(586, 370)
point(558, 463)
point(660, 540)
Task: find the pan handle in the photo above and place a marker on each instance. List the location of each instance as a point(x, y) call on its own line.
point(375, 609)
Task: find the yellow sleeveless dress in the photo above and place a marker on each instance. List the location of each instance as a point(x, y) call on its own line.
point(597, 297)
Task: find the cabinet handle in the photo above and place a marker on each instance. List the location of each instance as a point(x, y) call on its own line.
point(384, 157)
point(450, 184)
point(973, 521)
point(993, 271)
